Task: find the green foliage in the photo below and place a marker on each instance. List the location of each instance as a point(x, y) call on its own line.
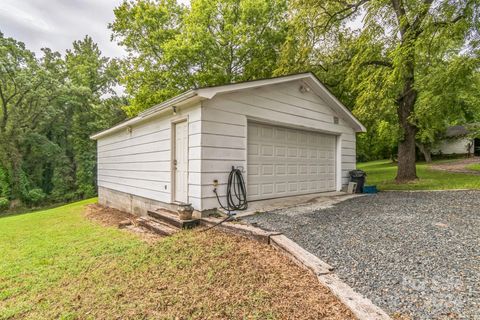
point(35, 196)
point(173, 48)
point(417, 60)
point(450, 97)
point(377, 143)
point(143, 28)
point(4, 184)
point(407, 71)
point(474, 166)
point(49, 106)
point(4, 203)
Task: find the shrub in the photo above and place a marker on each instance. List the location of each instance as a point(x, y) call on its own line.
point(4, 184)
point(35, 196)
point(4, 203)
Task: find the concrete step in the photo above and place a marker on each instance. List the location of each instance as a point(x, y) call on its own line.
point(171, 218)
point(156, 226)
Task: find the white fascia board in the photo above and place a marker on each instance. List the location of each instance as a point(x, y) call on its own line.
point(209, 93)
point(309, 78)
point(149, 113)
point(170, 102)
point(324, 93)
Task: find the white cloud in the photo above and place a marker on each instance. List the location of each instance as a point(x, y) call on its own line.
point(57, 23)
point(22, 16)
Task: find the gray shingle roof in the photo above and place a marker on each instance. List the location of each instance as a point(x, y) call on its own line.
point(456, 131)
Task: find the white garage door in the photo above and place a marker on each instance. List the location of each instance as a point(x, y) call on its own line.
point(286, 162)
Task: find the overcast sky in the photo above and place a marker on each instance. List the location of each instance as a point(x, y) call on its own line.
point(57, 23)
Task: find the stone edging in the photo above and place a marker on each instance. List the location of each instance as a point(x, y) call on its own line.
point(361, 307)
point(245, 230)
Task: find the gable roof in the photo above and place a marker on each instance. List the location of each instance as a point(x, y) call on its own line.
point(456, 131)
point(205, 93)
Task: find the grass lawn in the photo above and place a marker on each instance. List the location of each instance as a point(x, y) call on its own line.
point(57, 264)
point(474, 166)
point(382, 173)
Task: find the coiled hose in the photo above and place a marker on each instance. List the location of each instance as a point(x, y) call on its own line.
point(236, 196)
point(236, 192)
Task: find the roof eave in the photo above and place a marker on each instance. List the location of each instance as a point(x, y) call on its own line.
point(210, 92)
point(147, 114)
point(356, 124)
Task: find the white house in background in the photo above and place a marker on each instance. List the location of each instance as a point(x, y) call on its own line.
point(289, 135)
point(456, 141)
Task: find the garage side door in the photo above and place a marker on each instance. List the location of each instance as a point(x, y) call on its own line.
point(286, 162)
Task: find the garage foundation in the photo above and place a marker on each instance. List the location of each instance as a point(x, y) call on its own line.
point(130, 203)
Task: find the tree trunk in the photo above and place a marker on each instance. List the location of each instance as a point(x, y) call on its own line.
point(428, 155)
point(425, 151)
point(406, 146)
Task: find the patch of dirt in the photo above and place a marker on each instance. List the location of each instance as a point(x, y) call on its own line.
point(459, 166)
point(213, 275)
point(399, 316)
point(293, 292)
point(107, 216)
point(110, 217)
point(207, 275)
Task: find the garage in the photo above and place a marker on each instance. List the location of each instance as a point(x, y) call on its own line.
point(286, 162)
point(287, 136)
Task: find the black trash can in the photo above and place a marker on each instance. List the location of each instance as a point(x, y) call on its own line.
point(358, 176)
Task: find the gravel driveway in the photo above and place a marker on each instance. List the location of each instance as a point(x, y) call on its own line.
point(414, 254)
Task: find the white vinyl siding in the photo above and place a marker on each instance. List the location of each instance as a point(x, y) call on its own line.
point(348, 154)
point(139, 162)
point(224, 129)
point(454, 146)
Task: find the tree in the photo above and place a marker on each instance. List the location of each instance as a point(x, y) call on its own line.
point(397, 44)
point(92, 76)
point(449, 98)
point(174, 48)
point(48, 108)
point(143, 28)
point(27, 88)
